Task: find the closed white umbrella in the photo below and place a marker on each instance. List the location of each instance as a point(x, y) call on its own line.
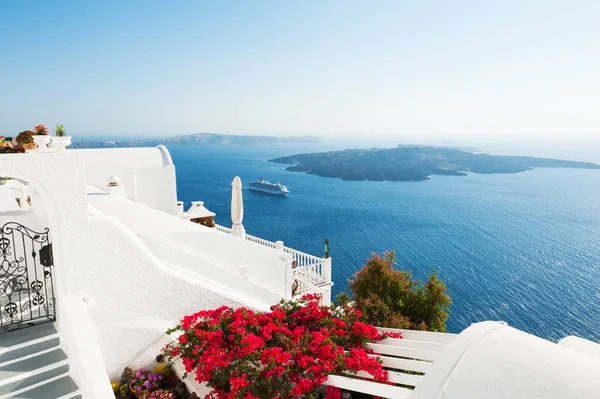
point(237, 208)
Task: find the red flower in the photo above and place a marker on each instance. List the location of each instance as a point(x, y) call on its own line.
point(283, 354)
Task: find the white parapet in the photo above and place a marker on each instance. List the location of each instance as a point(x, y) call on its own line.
point(493, 360)
point(309, 274)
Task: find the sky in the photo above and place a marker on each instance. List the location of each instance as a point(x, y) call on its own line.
point(429, 71)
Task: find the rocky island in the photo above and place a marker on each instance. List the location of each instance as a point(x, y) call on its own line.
point(407, 163)
point(198, 139)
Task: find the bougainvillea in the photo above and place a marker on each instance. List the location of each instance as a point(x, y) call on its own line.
point(282, 354)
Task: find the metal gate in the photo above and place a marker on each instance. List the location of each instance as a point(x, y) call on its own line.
point(26, 286)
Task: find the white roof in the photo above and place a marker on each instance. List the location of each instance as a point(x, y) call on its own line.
point(493, 360)
point(487, 360)
point(198, 210)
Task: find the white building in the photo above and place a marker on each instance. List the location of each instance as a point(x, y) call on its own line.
point(124, 265)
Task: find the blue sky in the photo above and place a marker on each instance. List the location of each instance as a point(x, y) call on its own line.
point(405, 70)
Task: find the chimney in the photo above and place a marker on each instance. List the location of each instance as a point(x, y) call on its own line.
point(114, 187)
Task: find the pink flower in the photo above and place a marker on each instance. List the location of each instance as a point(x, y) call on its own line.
point(41, 130)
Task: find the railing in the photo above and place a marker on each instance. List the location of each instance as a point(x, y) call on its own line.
point(261, 241)
point(303, 286)
point(222, 229)
point(253, 239)
point(311, 269)
point(302, 259)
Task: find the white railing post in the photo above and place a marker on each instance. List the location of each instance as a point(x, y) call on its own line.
point(326, 298)
point(327, 269)
point(279, 245)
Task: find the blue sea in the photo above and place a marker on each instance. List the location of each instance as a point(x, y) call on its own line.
point(522, 248)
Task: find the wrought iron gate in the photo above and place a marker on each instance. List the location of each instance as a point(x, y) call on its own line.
point(26, 286)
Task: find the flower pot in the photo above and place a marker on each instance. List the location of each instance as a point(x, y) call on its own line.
point(138, 394)
point(59, 143)
point(42, 141)
point(166, 380)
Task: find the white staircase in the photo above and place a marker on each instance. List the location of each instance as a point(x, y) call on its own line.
point(33, 365)
point(407, 360)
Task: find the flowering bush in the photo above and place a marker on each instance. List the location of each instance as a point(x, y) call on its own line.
point(143, 380)
point(41, 130)
point(158, 394)
point(285, 353)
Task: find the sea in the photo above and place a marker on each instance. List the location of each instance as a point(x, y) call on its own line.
point(521, 248)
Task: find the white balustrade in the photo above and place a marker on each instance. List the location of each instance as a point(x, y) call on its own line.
point(312, 273)
point(222, 229)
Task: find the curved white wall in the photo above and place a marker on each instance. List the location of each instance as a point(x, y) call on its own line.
point(492, 360)
point(265, 266)
point(131, 301)
point(147, 174)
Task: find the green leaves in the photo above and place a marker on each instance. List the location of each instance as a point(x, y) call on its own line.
point(389, 297)
point(60, 130)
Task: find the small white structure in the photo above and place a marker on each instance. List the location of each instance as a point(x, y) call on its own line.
point(198, 213)
point(198, 210)
point(114, 187)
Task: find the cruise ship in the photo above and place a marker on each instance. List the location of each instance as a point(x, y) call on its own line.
point(268, 187)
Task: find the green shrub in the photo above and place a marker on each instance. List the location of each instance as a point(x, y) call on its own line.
point(389, 297)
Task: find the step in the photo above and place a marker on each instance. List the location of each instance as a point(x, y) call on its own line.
point(31, 366)
point(19, 339)
point(28, 351)
point(62, 388)
point(16, 387)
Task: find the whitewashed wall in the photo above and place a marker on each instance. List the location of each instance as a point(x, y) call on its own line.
point(265, 266)
point(130, 298)
point(147, 174)
point(261, 265)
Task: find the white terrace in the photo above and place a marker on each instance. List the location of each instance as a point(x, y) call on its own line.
point(92, 274)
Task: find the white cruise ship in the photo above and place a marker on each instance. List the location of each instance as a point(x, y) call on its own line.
point(268, 187)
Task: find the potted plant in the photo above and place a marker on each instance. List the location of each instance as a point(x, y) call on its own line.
point(166, 371)
point(40, 136)
point(143, 382)
point(61, 140)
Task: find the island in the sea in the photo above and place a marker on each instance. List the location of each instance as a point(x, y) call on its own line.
point(198, 139)
point(406, 163)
